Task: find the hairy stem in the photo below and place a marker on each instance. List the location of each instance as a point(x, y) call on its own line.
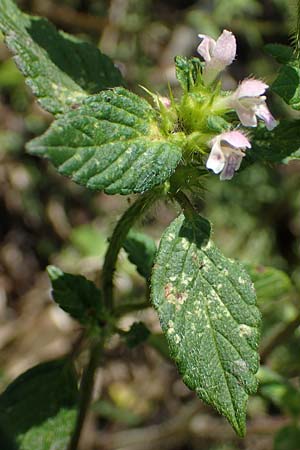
point(86, 391)
point(185, 204)
point(119, 235)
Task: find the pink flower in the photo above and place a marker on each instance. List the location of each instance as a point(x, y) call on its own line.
point(249, 102)
point(227, 152)
point(217, 54)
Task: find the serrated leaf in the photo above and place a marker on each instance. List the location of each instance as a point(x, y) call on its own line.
point(35, 397)
point(60, 69)
point(141, 250)
point(206, 305)
point(187, 71)
point(282, 53)
point(111, 143)
point(277, 146)
point(78, 296)
point(287, 84)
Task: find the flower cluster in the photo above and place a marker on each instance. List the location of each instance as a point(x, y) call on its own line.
point(248, 100)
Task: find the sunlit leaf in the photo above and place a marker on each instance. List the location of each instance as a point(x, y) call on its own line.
point(60, 69)
point(206, 305)
point(111, 143)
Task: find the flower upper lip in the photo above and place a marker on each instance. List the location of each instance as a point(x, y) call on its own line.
point(217, 54)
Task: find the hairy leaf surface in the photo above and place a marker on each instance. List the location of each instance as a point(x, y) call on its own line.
point(60, 69)
point(141, 250)
point(187, 71)
point(77, 295)
point(111, 143)
point(287, 84)
point(280, 145)
point(206, 305)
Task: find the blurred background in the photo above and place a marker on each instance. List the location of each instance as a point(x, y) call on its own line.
point(140, 401)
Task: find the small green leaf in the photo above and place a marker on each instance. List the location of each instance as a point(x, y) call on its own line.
point(287, 84)
point(60, 69)
point(77, 296)
point(287, 438)
point(279, 390)
point(111, 143)
point(141, 250)
point(187, 71)
point(282, 53)
point(206, 305)
point(277, 146)
point(34, 398)
point(137, 334)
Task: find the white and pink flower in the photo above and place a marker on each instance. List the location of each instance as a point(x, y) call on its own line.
point(216, 54)
point(249, 103)
point(227, 152)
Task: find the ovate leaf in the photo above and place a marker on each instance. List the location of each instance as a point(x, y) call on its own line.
point(206, 305)
point(77, 296)
point(282, 53)
point(111, 143)
point(60, 69)
point(277, 146)
point(141, 250)
point(36, 398)
point(287, 84)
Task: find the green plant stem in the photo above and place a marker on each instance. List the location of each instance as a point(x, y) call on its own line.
point(279, 338)
point(131, 307)
point(86, 391)
point(119, 235)
point(185, 204)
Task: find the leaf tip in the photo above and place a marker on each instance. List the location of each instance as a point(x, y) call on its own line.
point(54, 272)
